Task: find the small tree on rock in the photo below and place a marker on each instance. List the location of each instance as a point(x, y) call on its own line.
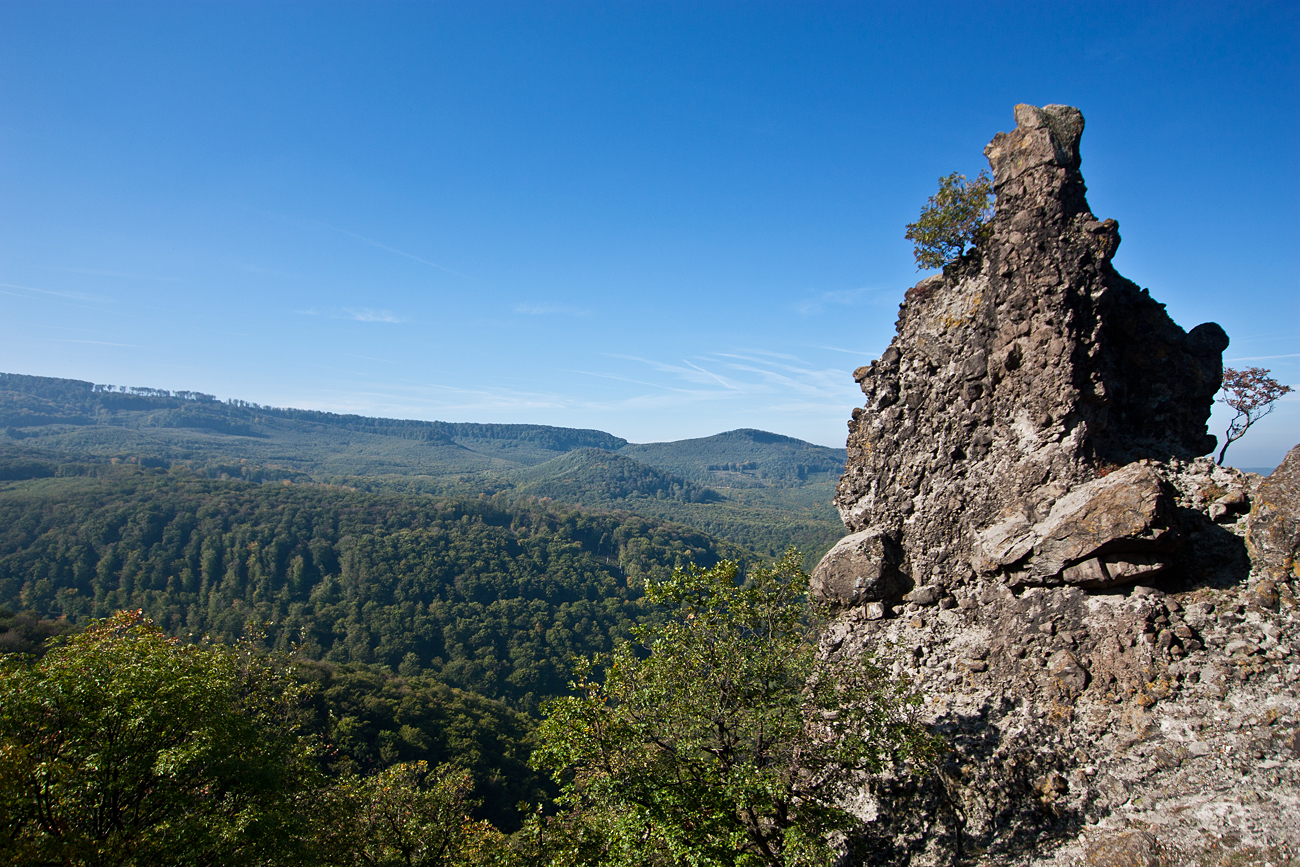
point(955, 216)
point(1252, 393)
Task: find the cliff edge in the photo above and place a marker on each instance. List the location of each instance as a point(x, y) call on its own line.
point(1101, 619)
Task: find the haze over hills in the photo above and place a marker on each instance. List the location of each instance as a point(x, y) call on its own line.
point(761, 490)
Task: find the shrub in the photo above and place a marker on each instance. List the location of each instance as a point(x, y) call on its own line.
point(955, 216)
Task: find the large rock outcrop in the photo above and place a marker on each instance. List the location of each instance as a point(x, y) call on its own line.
point(1039, 541)
point(1025, 370)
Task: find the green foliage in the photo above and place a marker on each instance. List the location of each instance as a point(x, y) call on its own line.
point(488, 595)
point(955, 216)
point(758, 525)
point(128, 747)
point(595, 476)
point(372, 720)
point(412, 816)
point(743, 458)
point(29, 634)
point(740, 483)
point(722, 738)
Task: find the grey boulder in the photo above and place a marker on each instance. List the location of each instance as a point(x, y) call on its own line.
point(862, 567)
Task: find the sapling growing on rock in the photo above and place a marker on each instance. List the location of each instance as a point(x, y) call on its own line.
point(1252, 393)
point(955, 216)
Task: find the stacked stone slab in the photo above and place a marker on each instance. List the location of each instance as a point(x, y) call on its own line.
point(1025, 370)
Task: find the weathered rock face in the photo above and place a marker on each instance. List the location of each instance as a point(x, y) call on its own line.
point(1067, 579)
point(1156, 721)
point(1023, 371)
point(1102, 533)
point(1274, 530)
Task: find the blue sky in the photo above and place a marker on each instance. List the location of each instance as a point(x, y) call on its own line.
point(659, 219)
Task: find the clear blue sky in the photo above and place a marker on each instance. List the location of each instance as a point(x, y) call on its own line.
point(659, 219)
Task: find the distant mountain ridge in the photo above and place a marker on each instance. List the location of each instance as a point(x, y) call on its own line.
point(742, 485)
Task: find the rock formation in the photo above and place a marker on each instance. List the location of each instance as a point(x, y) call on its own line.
point(1039, 542)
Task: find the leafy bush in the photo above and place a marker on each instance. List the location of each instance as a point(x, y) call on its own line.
point(722, 737)
point(128, 747)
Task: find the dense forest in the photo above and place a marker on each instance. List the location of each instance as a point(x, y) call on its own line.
point(426, 586)
point(489, 594)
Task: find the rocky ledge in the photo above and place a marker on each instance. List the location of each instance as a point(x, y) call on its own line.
point(1102, 621)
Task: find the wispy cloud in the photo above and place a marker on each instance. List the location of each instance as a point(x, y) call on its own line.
point(863, 353)
point(356, 314)
point(787, 373)
point(267, 272)
point(720, 380)
point(388, 248)
point(368, 314)
point(835, 297)
point(685, 370)
point(756, 373)
point(1264, 357)
point(549, 310)
point(102, 272)
point(107, 343)
point(78, 296)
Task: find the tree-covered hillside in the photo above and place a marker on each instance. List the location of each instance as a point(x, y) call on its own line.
point(487, 594)
point(598, 477)
point(756, 489)
point(372, 720)
point(743, 458)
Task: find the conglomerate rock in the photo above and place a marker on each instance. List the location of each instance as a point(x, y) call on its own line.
point(1023, 371)
point(1039, 542)
point(1274, 528)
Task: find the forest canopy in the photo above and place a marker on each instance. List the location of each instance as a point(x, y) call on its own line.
point(488, 595)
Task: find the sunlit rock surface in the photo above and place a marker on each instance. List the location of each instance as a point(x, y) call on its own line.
point(1041, 545)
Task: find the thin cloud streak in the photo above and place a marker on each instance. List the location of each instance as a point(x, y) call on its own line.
point(382, 246)
point(358, 314)
point(839, 297)
point(628, 379)
point(724, 383)
point(76, 296)
point(862, 352)
point(99, 272)
point(107, 343)
point(1264, 357)
point(549, 309)
point(367, 314)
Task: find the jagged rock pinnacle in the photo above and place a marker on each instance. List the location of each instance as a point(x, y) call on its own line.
point(1023, 371)
point(1041, 547)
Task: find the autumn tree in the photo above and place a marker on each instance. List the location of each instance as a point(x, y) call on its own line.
point(1252, 394)
point(722, 737)
point(953, 218)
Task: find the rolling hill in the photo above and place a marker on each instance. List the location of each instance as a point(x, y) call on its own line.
point(757, 489)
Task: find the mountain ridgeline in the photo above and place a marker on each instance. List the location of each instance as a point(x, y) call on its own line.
point(756, 489)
